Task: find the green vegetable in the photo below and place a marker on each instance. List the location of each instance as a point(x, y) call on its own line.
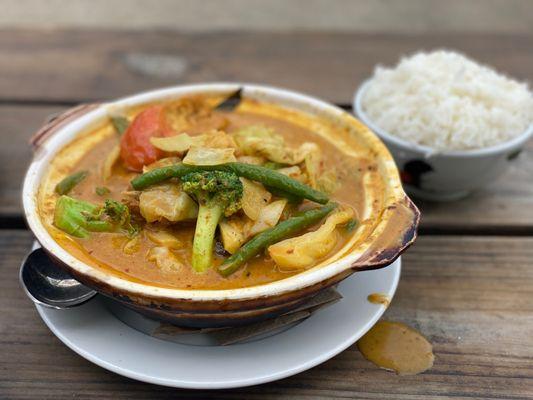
point(350, 225)
point(266, 176)
point(119, 215)
point(68, 183)
point(274, 165)
point(102, 190)
point(120, 123)
point(218, 193)
point(280, 193)
point(78, 217)
point(273, 235)
point(162, 174)
point(276, 180)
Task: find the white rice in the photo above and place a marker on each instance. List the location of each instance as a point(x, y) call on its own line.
point(447, 102)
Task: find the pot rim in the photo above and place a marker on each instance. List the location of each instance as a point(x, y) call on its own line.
point(313, 276)
point(428, 151)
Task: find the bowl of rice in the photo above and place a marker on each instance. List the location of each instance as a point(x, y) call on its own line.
point(451, 124)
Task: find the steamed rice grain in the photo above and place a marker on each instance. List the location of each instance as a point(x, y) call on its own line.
point(447, 102)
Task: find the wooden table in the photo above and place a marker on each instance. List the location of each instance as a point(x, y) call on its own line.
point(467, 284)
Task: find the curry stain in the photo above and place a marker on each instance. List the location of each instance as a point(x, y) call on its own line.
point(379, 298)
point(397, 347)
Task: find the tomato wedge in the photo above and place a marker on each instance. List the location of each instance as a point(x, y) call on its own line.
point(136, 150)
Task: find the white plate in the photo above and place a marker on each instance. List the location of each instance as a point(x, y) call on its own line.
point(95, 334)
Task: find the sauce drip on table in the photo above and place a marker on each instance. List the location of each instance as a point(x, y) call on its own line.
point(397, 347)
point(379, 298)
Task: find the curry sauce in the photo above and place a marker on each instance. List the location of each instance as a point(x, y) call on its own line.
point(397, 347)
point(125, 255)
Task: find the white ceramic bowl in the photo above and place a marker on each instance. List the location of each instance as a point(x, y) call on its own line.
point(444, 175)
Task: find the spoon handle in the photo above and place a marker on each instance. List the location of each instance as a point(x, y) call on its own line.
point(48, 285)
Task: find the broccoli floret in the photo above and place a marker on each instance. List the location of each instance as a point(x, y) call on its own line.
point(119, 215)
point(217, 193)
point(78, 217)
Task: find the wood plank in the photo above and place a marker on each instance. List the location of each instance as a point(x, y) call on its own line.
point(506, 204)
point(17, 125)
point(472, 297)
point(418, 16)
point(83, 65)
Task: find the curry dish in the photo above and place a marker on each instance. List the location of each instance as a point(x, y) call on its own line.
point(191, 195)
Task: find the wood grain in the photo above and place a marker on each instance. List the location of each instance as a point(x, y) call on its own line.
point(87, 65)
point(507, 204)
point(471, 296)
point(17, 125)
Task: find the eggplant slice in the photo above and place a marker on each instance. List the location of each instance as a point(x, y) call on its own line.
point(231, 102)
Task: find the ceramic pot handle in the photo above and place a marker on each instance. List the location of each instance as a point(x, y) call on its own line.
point(57, 121)
point(403, 219)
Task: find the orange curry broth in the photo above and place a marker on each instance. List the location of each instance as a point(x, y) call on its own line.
point(104, 250)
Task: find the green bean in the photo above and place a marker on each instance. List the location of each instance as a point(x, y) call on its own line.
point(276, 180)
point(274, 165)
point(162, 174)
point(102, 190)
point(257, 173)
point(68, 183)
point(273, 235)
point(120, 123)
point(281, 193)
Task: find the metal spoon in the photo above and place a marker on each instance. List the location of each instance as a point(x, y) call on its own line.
point(48, 285)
